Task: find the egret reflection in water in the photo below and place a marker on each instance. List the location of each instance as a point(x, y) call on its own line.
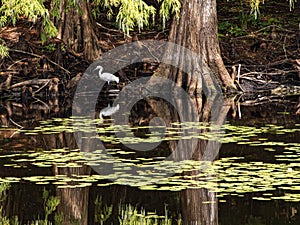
point(108, 111)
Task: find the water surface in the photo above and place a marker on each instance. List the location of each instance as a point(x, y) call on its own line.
point(254, 180)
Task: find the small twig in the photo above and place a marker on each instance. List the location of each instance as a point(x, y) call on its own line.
point(109, 29)
point(250, 73)
point(157, 60)
point(16, 62)
point(239, 73)
point(156, 36)
point(4, 73)
point(261, 101)
point(240, 87)
point(110, 35)
point(283, 29)
point(260, 81)
point(284, 48)
point(233, 73)
point(30, 82)
point(8, 81)
point(264, 28)
point(41, 87)
point(281, 72)
point(13, 134)
point(239, 110)
point(123, 75)
point(38, 56)
point(18, 125)
point(281, 62)
point(47, 106)
point(271, 26)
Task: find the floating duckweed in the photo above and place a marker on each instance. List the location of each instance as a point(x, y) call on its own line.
point(226, 176)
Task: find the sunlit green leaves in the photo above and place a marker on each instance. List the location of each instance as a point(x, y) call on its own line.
point(131, 13)
point(254, 4)
point(167, 8)
point(255, 7)
point(3, 50)
point(12, 10)
point(131, 215)
point(136, 13)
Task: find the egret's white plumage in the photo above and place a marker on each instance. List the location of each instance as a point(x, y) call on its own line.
point(106, 76)
point(108, 111)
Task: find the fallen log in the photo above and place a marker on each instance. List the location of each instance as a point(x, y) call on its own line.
point(30, 82)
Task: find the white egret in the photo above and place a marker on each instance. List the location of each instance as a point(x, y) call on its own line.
point(106, 76)
point(108, 111)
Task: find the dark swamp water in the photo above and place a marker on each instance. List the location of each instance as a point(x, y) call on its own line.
point(46, 179)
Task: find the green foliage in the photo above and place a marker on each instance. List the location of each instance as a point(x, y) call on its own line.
point(102, 213)
point(50, 47)
point(168, 6)
point(57, 5)
point(132, 13)
point(292, 4)
point(131, 215)
point(226, 28)
point(49, 30)
point(45, 195)
point(4, 220)
point(3, 188)
point(12, 10)
point(254, 4)
point(3, 50)
point(50, 204)
point(273, 21)
point(58, 218)
point(249, 20)
point(55, 13)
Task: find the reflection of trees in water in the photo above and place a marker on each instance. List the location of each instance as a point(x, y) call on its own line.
point(75, 205)
point(28, 113)
point(74, 202)
point(266, 110)
point(198, 205)
point(124, 204)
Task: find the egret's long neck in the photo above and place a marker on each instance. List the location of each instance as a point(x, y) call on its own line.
point(100, 70)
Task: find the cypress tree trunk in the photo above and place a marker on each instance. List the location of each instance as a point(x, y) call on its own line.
point(197, 30)
point(76, 28)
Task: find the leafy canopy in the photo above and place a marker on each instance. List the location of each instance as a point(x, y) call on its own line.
point(12, 10)
point(133, 13)
point(130, 13)
point(254, 4)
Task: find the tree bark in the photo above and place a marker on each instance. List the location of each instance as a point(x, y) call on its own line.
point(197, 30)
point(76, 29)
